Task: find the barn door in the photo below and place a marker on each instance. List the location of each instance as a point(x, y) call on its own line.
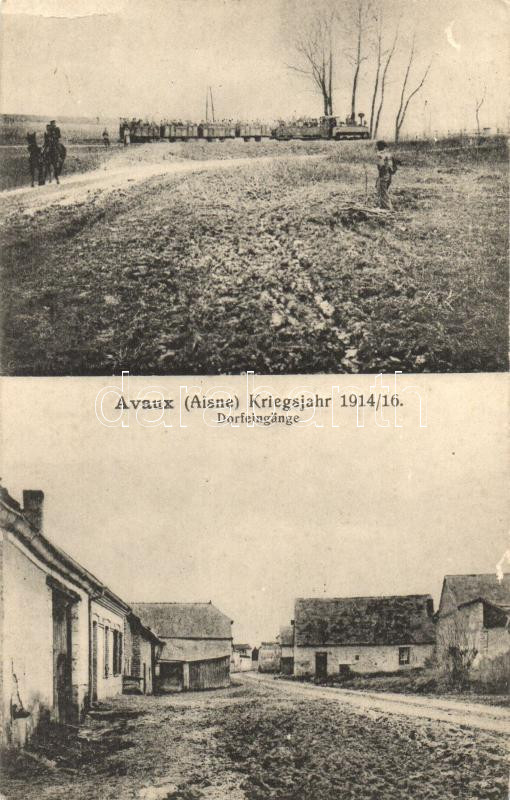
point(321, 665)
point(62, 664)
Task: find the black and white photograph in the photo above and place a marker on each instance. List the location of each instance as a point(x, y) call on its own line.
point(203, 613)
point(254, 393)
point(209, 186)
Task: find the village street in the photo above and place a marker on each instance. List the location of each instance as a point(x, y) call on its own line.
point(474, 715)
point(262, 738)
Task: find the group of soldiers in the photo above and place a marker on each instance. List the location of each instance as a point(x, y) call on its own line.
point(386, 163)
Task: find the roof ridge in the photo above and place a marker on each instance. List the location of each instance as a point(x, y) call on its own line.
point(172, 603)
point(366, 597)
point(476, 575)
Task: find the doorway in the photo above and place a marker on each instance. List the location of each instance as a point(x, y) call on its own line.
point(62, 656)
point(321, 665)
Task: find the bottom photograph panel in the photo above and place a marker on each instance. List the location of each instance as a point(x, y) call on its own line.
point(255, 587)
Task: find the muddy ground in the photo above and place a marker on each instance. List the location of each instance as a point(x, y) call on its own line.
point(252, 742)
point(280, 265)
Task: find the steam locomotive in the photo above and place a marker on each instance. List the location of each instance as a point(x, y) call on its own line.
point(326, 127)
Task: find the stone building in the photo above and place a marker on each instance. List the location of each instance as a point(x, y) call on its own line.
point(286, 642)
point(269, 657)
point(61, 629)
point(473, 625)
point(241, 660)
point(141, 650)
point(197, 645)
point(364, 634)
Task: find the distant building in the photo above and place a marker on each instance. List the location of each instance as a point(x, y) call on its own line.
point(364, 634)
point(269, 657)
point(241, 658)
point(473, 621)
point(141, 650)
point(61, 629)
point(197, 645)
point(286, 641)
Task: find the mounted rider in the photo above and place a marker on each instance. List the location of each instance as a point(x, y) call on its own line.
point(52, 134)
point(54, 152)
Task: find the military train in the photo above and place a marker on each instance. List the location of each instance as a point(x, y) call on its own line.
point(327, 127)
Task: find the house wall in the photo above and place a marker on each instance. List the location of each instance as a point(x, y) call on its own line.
point(287, 660)
point(195, 649)
point(109, 684)
point(269, 659)
point(384, 658)
point(144, 659)
point(465, 628)
point(241, 662)
point(27, 635)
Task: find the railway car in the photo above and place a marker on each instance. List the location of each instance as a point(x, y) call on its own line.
point(139, 130)
point(254, 131)
point(183, 131)
point(323, 128)
point(216, 130)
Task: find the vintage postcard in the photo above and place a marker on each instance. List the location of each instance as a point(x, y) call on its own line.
point(205, 187)
point(254, 516)
point(195, 610)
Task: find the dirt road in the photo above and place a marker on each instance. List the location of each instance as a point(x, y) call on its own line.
point(272, 259)
point(455, 712)
point(258, 741)
point(119, 174)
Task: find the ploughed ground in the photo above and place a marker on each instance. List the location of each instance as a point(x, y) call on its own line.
point(253, 742)
point(208, 259)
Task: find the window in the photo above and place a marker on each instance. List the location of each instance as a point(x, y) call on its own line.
point(404, 656)
point(117, 652)
point(356, 658)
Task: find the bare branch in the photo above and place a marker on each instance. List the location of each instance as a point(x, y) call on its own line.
point(404, 103)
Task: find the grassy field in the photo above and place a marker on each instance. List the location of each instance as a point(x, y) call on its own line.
point(260, 266)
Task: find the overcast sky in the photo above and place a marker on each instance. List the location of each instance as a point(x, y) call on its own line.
point(156, 58)
point(251, 519)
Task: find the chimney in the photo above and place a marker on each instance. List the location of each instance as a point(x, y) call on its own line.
point(33, 500)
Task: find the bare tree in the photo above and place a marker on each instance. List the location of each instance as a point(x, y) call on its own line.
point(457, 647)
point(478, 105)
point(381, 79)
point(404, 103)
point(360, 27)
point(314, 46)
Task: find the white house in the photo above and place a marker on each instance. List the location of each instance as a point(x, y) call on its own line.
point(338, 635)
point(60, 627)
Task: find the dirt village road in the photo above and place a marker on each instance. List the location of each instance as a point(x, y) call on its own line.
point(260, 739)
point(473, 715)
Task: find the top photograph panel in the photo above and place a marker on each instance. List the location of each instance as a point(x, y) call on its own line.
point(208, 187)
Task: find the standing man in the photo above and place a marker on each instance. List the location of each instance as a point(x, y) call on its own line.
point(386, 168)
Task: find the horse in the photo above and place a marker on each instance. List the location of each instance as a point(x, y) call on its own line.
point(35, 159)
point(54, 155)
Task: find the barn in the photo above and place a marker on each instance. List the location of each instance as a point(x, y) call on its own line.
point(196, 645)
